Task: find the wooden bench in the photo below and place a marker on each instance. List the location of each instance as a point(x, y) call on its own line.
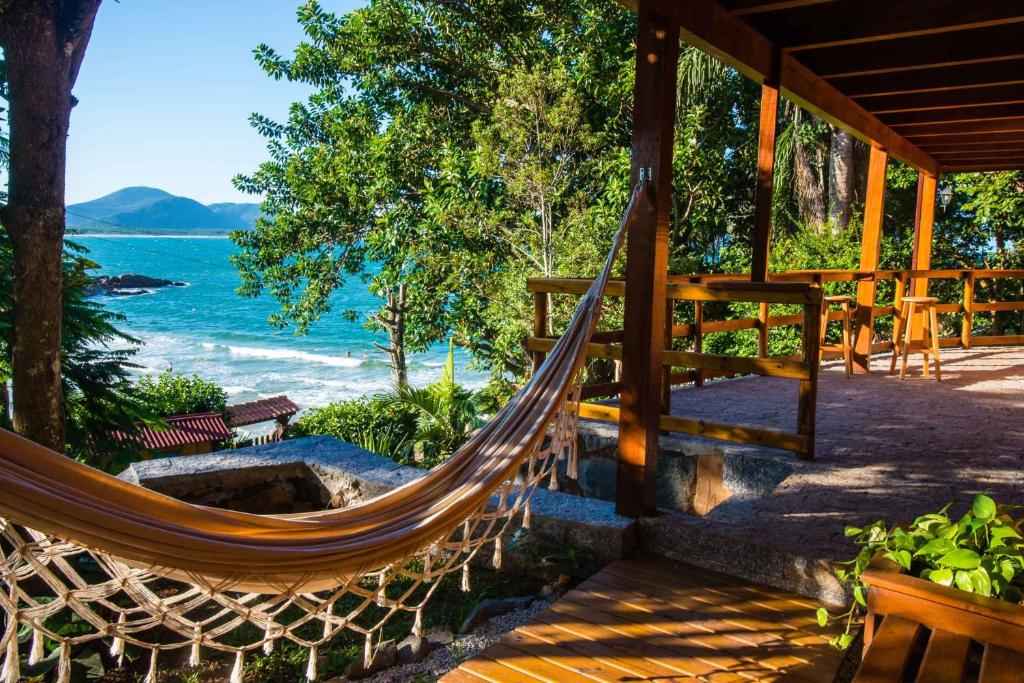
point(919, 632)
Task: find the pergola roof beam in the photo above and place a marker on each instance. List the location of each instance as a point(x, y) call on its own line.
point(972, 113)
point(706, 25)
point(944, 99)
point(945, 78)
point(977, 46)
point(745, 7)
point(917, 131)
point(820, 26)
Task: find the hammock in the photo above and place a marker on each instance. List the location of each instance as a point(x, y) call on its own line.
point(160, 574)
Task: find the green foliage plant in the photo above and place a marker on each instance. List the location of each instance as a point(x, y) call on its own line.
point(981, 552)
point(174, 393)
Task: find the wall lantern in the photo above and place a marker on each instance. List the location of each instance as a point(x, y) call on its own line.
point(946, 196)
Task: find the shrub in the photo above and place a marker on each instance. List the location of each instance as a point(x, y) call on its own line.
point(371, 422)
point(177, 394)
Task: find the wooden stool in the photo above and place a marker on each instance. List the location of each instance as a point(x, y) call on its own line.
point(845, 348)
point(929, 343)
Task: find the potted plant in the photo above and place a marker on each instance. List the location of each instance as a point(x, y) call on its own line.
point(961, 574)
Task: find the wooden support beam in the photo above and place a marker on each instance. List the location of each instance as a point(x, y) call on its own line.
point(921, 259)
point(924, 224)
point(870, 250)
point(708, 26)
point(765, 188)
point(654, 110)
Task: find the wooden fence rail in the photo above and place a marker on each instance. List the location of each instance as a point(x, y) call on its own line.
point(801, 288)
point(803, 369)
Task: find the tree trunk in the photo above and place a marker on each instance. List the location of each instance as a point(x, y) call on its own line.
point(840, 178)
point(394, 324)
point(44, 43)
point(809, 191)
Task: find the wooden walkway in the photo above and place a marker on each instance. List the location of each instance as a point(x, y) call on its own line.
point(654, 620)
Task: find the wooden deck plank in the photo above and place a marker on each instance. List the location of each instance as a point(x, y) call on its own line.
point(537, 663)
point(999, 665)
point(563, 656)
point(945, 658)
point(890, 649)
point(653, 620)
point(607, 647)
point(767, 650)
point(747, 614)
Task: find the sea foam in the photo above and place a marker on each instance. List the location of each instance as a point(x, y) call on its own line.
point(293, 354)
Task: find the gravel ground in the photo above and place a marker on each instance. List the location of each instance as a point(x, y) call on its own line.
point(443, 660)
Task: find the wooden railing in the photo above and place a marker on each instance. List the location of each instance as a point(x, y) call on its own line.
point(792, 287)
point(608, 345)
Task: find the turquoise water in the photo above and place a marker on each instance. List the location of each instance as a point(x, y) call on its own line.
point(207, 329)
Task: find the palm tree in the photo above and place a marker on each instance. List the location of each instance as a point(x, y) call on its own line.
point(447, 415)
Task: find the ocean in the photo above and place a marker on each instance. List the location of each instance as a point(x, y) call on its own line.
point(207, 329)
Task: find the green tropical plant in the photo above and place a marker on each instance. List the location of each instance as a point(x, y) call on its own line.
point(982, 552)
point(447, 414)
point(373, 423)
point(179, 394)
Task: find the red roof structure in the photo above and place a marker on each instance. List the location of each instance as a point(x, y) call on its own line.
point(182, 430)
point(263, 410)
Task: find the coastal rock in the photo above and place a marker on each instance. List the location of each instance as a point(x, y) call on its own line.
point(128, 284)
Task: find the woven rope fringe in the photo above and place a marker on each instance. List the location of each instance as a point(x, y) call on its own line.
point(195, 658)
point(268, 641)
point(151, 674)
point(238, 668)
point(37, 651)
point(12, 667)
point(311, 664)
point(117, 644)
point(368, 652)
point(526, 515)
point(64, 665)
point(572, 462)
point(465, 577)
point(496, 560)
point(417, 622)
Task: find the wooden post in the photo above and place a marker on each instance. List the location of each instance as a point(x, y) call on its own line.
point(808, 401)
point(666, 370)
point(698, 339)
point(763, 313)
point(540, 324)
point(654, 111)
point(765, 187)
point(870, 249)
point(923, 226)
point(968, 323)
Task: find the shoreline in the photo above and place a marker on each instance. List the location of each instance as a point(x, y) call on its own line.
point(147, 235)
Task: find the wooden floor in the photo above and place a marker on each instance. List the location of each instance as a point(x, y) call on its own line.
point(653, 620)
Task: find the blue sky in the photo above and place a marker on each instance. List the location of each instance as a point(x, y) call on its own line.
point(166, 90)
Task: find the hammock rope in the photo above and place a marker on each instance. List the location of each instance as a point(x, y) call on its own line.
point(146, 570)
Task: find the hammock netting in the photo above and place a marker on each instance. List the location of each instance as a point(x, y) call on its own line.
point(139, 568)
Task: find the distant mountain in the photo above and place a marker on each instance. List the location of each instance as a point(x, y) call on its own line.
point(149, 210)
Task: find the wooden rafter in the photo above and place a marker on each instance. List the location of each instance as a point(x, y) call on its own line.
point(872, 21)
point(708, 26)
point(986, 96)
point(942, 79)
point(976, 46)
